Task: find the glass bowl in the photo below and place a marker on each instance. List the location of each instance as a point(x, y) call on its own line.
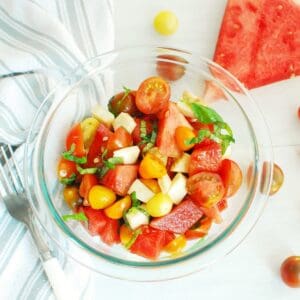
point(96, 82)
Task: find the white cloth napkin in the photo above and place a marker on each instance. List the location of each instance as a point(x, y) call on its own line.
point(49, 38)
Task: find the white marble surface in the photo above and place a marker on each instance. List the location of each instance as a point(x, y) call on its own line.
point(252, 270)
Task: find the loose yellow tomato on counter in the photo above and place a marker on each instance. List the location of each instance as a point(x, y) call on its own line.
point(152, 167)
point(165, 22)
point(159, 205)
point(101, 197)
point(71, 196)
point(176, 245)
point(183, 135)
point(125, 234)
point(116, 210)
point(152, 184)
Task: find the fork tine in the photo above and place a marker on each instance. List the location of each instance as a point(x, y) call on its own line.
point(16, 184)
point(12, 157)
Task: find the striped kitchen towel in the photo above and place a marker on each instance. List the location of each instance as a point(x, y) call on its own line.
point(39, 42)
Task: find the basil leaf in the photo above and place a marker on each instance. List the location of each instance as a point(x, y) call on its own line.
point(202, 134)
point(110, 164)
point(143, 129)
point(135, 201)
point(68, 181)
point(204, 114)
point(77, 217)
point(86, 171)
point(68, 155)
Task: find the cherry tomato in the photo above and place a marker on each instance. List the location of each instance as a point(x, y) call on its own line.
point(165, 22)
point(125, 234)
point(153, 95)
point(199, 231)
point(119, 139)
point(87, 182)
point(176, 245)
point(152, 184)
point(231, 175)
point(290, 271)
point(123, 102)
point(170, 70)
point(116, 210)
point(101, 197)
point(205, 188)
point(277, 180)
point(182, 137)
point(71, 196)
point(75, 136)
point(151, 167)
point(66, 169)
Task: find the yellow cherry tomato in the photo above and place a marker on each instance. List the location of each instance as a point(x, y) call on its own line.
point(89, 127)
point(277, 179)
point(152, 184)
point(101, 197)
point(125, 234)
point(176, 245)
point(152, 167)
point(182, 136)
point(71, 196)
point(116, 210)
point(159, 205)
point(165, 22)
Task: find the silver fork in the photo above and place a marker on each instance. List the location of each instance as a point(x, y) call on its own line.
point(18, 206)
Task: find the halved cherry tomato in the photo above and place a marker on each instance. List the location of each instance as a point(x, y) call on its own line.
point(75, 136)
point(277, 179)
point(87, 182)
point(123, 102)
point(153, 95)
point(231, 175)
point(176, 245)
point(206, 158)
point(290, 271)
point(151, 167)
point(65, 169)
point(206, 188)
point(119, 139)
point(170, 70)
point(152, 184)
point(200, 231)
point(116, 210)
point(183, 135)
point(98, 146)
point(213, 213)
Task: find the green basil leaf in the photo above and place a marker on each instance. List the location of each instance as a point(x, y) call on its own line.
point(135, 201)
point(68, 155)
point(83, 171)
point(77, 217)
point(204, 114)
point(143, 129)
point(68, 181)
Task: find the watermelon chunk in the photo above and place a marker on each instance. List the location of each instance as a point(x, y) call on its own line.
point(169, 120)
point(120, 178)
point(180, 219)
point(259, 41)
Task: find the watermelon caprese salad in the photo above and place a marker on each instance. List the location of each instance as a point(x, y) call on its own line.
point(148, 172)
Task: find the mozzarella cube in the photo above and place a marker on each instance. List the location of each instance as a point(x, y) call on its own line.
point(181, 164)
point(103, 115)
point(124, 120)
point(143, 193)
point(178, 189)
point(185, 109)
point(128, 154)
point(136, 218)
point(164, 183)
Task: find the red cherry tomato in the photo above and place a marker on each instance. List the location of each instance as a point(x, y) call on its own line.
point(290, 271)
point(87, 182)
point(170, 70)
point(119, 139)
point(153, 95)
point(75, 136)
point(65, 169)
point(232, 176)
point(205, 188)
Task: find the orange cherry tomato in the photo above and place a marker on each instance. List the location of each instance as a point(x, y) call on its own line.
point(116, 210)
point(152, 184)
point(75, 136)
point(290, 271)
point(87, 182)
point(176, 245)
point(125, 234)
point(152, 167)
point(231, 175)
point(71, 196)
point(65, 169)
point(153, 95)
point(182, 137)
point(170, 70)
point(200, 231)
point(119, 139)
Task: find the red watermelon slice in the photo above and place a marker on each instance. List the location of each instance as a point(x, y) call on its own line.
point(259, 41)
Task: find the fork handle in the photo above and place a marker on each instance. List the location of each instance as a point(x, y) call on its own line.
point(58, 280)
